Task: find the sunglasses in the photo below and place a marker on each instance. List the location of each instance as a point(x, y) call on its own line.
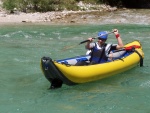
point(99, 38)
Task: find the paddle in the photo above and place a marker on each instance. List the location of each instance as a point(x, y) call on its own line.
point(69, 47)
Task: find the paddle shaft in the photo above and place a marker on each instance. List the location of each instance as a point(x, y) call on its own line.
point(95, 37)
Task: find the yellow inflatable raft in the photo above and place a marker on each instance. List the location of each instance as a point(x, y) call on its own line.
point(64, 71)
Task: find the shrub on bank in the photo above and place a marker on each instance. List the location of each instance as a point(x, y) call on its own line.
point(44, 5)
point(59, 5)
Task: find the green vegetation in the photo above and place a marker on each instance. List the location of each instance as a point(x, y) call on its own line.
point(59, 5)
point(44, 5)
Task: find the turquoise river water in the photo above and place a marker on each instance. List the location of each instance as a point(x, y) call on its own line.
point(24, 89)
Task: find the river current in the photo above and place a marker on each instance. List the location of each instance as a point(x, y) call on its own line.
point(24, 89)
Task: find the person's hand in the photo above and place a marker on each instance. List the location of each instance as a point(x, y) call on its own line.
point(90, 39)
point(116, 32)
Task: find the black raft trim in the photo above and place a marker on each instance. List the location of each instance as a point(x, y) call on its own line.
point(141, 58)
point(53, 74)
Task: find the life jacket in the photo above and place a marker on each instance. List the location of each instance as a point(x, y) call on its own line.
point(100, 54)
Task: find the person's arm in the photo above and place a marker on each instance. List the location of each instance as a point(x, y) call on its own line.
point(118, 37)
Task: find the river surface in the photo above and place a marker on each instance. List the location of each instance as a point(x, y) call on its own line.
point(24, 89)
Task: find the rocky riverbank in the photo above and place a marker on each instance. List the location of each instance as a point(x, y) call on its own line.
point(85, 15)
point(102, 15)
point(50, 17)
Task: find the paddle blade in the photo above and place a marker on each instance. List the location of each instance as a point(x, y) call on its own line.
point(69, 47)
